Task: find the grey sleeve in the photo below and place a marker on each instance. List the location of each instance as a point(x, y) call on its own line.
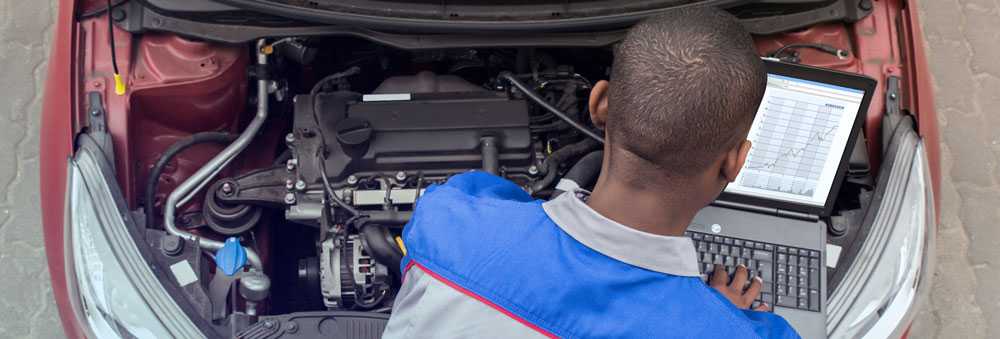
point(428, 308)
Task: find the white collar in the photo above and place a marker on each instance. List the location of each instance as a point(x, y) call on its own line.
point(665, 254)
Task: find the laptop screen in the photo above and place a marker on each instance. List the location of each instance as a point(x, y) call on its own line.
point(799, 136)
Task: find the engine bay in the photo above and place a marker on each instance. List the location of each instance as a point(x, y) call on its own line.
point(292, 201)
point(353, 140)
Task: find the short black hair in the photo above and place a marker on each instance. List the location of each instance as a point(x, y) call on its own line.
point(685, 86)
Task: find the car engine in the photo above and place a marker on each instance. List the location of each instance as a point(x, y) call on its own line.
point(360, 149)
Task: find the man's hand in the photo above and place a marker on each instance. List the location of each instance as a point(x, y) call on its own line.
point(734, 290)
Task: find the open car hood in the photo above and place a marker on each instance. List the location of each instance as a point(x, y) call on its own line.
point(470, 16)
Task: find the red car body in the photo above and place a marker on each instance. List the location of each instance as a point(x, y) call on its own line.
point(889, 42)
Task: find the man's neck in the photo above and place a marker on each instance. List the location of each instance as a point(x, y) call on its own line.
point(651, 210)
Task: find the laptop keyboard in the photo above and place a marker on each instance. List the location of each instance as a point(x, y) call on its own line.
point(790, 274)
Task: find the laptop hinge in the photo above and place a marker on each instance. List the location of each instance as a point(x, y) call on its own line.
point(745, 207)
point(797, 215)
point(766, 210)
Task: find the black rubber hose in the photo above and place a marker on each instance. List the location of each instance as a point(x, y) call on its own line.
point(379, 243)
point(586, 170)
point(546, 105)
point(557, 158)
point(169, 154)
point(491, 155)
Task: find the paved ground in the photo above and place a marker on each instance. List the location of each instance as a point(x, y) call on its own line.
point(963, 48)
point(962, 41)
point(26, 305)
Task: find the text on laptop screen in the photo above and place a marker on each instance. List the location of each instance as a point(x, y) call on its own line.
point(798, 136)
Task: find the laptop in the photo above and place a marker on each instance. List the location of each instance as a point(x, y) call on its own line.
point(772, 218)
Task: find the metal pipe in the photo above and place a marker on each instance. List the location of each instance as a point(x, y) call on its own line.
point(196, 181)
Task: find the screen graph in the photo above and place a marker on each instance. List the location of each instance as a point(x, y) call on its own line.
point(798, 139)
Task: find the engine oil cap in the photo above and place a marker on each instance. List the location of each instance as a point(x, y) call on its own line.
point(231, 258)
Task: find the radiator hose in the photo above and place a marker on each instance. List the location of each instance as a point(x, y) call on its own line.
point(382, 245)
point(557, 158)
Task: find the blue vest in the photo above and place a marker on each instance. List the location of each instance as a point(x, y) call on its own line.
point(488, 237)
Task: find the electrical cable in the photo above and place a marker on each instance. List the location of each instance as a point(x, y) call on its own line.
point(154, 176)
point(541, 102)
point(321, 160)
point(840, 53)
point(119, 84)
point(346, 73)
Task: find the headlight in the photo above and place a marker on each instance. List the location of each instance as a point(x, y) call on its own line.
point(119, 296)
point(879, 293)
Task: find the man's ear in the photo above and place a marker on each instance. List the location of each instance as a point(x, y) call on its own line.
point(734, 160)
point(599, 104)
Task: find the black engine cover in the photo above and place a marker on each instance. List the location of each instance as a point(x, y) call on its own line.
point(439, 131)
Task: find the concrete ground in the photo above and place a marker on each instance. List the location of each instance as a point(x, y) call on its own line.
point(963, 39)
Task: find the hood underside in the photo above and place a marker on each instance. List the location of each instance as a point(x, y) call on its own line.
point(452, 16)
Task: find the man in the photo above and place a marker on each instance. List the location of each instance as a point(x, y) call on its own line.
point(485, 260)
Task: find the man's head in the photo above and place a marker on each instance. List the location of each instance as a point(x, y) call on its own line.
point(684, 89)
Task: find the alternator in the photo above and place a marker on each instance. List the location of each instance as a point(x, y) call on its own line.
point(349, 276)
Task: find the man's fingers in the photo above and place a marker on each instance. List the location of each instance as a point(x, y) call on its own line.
point(740, 278)
point(754, 290)
point(719, 276)
point(763, 307)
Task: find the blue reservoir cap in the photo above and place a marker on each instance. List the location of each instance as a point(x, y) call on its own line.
point(232, 257)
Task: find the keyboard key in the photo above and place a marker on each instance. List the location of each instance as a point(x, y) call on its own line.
point(728, 261)
point(802, 281)
point(803, 303)
point(813, 278)
point(713, 248)
point(782, 249)
point(702, 246)
point(782, 258)
point(767, 298)
point(748, 244)
point(766, 271)
point(786, 301)
point(782, 269)
point(769, 247)
point(803, 271)
point(738, 242)
point(706, 258)
point(813, 300)
point(760, 246)
point(717, 239)
point(793, 251)
point(793, 260)
point(762, 255)
point(814, 254)
point(717, 259)
point(724, 249)
point(782, 278)
point(747, 253)
point(727, 241)
point(803, 293)
point(813, 263)
point(782, 290)
point(696, 236)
